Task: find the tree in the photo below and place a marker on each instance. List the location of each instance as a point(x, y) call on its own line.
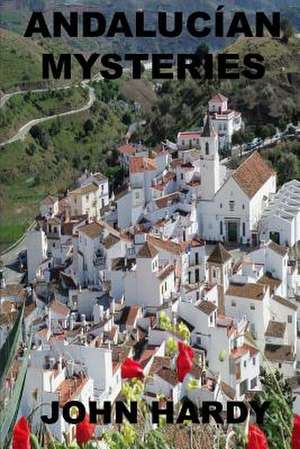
point(237, 138)
point(88, 126)
point(288, 167)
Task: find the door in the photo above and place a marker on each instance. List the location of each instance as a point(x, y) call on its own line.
point(232, 231)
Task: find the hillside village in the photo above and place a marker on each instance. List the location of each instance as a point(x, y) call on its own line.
point(188, 251)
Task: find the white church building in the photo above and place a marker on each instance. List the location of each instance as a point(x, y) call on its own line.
point(230, 207)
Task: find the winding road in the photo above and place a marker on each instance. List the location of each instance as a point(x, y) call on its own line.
point(23, 131)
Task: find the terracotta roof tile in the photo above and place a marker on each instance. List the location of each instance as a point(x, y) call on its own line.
point(207, 307)
point(219, 255)
point(126, 149)
point(252, 174)
point(165, 200)
point(251, 291)
point(147, 251)
point(275, 329)
point(280, 353)
point(168, 375)
point(92, 230)
point(267, 279)
point(141, 164)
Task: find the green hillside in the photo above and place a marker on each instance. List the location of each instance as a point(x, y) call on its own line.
point(274, 99)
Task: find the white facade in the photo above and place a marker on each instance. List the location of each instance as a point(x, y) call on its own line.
point(281, 218)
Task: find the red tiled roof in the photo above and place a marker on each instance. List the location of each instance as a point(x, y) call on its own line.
point(252, 174)
point(126, 149)
point(141, 164)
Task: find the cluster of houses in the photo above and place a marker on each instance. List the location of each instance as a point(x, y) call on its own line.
point(186, 250)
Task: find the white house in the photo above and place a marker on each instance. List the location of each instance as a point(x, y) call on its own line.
point(281, 218)
point(148, 284)
point(226, 121)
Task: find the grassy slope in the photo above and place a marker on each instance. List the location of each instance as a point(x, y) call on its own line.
point(26, 178)
point(21, 61)
point(20, 109)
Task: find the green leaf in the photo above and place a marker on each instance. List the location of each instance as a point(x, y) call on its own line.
point(10, 347)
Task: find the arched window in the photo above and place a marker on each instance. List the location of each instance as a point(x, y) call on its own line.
point(207, 148)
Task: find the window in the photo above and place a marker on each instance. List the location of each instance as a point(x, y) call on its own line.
point(86, 197)
point(214, 274)
point(166, 285)
point(233, 304)
point(197, 295)
point(181, 176)
point(137, 195)
point(245, 364)
point(162, 289)
point(207, 148)
point(244, 229)
point(290, 319)
point(253, 361)
point(221, 227)
point(198, 340)
point(252, 307)
point(231, 205)
point(279, 365)
point(197, 258)
point(243, 206)
point(221, 205)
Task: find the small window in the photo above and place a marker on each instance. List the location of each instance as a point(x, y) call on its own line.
point(207, 148)
point(245, 364)
point(233, 304)
point(243, 206)
point(253, 361)
point(221, 205)
point(221, 227)
point(214, 274)
point(165, 285)
point(279, 365)
point(181, 176)
point(244, 229)
point(252, 307)
point(231, 205)
point(290, 319)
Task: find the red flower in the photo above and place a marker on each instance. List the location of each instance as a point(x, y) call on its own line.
point(256, 438)
point(296, 433)
point(182, 347)
point(21, 434)
point(184, 365)
point(131, 369)
point(84, 430)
